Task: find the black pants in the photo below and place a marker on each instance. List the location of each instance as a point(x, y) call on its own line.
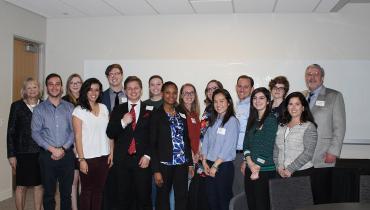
point(219, 188)
point(53, 172)
point(257, 191)
point(134, 184)
point(176, 176)
point(321, 185)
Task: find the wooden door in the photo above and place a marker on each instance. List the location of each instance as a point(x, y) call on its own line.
point(25, 64)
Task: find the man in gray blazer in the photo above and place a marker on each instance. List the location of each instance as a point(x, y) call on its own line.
point(327, 107)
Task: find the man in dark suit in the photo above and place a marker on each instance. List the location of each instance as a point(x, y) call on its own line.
point(129, 125)
point(327, 107)
point(115, 94)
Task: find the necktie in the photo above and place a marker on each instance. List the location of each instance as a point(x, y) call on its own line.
point(309, 97)
point(132, 147)
point(116, 100)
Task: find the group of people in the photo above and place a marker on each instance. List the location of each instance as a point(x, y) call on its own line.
point(126, 153)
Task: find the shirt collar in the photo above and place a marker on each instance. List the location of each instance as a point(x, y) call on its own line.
point(247, 100)
point(317, 91)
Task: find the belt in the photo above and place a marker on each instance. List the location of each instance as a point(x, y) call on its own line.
point(239, 151)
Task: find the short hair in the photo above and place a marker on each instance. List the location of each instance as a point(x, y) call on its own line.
point(86, 86)
point(280, 80)
point(246, 77)
point(317, 66)
point(167, 84)
point(52, 75)
point(132, 79)
point(25, 83)
point(112, 66)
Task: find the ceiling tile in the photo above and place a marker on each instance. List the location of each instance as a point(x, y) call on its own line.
point(132, 7)
point(212, 6)
point(296, 6)
point(93, 8)
point(48, 8)
point(254, 6)
point(171, 6)
point(326, 5)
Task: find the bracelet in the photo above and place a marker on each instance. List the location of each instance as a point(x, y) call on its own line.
point(81, 159)
point(214, 166)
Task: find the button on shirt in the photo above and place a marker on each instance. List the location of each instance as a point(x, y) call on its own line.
point(52, 126)
point(314, 96)
point(221, 144)
point(242, 113)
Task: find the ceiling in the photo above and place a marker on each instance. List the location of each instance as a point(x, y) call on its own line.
point(103, 8)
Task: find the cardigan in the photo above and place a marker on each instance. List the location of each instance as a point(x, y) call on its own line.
point(19, 139)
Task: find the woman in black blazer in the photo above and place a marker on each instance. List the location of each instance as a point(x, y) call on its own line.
point(171, 152)
point(23, 152)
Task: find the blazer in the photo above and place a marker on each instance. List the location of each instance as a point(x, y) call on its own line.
point(19, 139)
point(106, 99)
point(123, 136)
point(161, 140)
point(330, 115)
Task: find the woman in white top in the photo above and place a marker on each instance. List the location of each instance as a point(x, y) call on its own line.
point(296, 138)
point(94, 148)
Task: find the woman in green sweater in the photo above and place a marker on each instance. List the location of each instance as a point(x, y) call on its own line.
point(258, 147)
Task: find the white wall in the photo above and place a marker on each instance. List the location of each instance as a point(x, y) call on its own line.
point(339, 36)
point(13, 21)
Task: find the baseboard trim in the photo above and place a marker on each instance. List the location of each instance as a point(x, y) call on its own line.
point(5, 194)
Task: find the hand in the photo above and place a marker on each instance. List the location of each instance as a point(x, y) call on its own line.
point(144, 162)
point(13, 163)
point(212, 172)
point(206, 167)
point(191, 171)
point(281, 172)
point(57, 153)
point(158, 179)
point(127, 118)
point(84, 168)
point(242, 167)
point(195, 157)
point(330, 158)
point(287, 173)
point(254, 175)
point(254, 168)
point(110, 160)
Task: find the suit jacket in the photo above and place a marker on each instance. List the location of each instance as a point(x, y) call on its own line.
point(106, 99)
point(123, 136)
point(330, 115)
point(161, 140)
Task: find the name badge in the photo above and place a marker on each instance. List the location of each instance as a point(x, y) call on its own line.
point(123, 100)
point(182, 115)
point(150, 108)
point(320, 103)
point(193, 120)
point(221, 131)
point(260, 160)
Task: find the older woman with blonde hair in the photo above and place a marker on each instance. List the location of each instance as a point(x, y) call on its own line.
point(22, 150)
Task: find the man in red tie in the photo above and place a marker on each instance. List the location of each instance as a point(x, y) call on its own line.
point(129, 127)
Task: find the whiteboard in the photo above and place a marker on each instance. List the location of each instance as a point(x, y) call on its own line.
point(347, 76)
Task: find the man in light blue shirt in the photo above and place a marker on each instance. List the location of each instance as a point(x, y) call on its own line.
point(244, 88)
point(52, 130)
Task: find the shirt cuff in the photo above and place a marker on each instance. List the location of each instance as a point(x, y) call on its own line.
point(147, 156)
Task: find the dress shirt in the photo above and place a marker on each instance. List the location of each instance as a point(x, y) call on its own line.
point(112, 96)
point(220, 141)
point(242, 113)
point(52, 126)
point(314, 96)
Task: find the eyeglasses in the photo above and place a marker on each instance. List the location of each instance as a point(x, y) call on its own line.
point(211, 89)
point(188, 93)
point(75, 83)
point(278, 88)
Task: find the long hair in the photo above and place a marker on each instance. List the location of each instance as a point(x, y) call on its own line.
point(229, 111)
point(24, 87)
point(253, 113)
point(68, 90)
point(207, 101)
point(195, 105)
point(86, 86)
point(306, 114)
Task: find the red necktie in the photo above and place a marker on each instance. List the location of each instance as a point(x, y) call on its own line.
point(132, 147)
